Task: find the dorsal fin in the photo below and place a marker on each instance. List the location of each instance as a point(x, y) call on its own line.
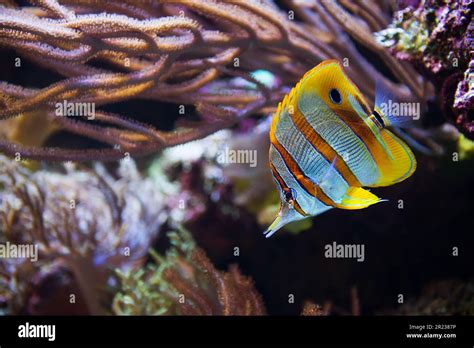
point(400, 166)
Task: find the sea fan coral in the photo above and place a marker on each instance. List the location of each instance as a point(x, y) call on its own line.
point(183, 52)
point(81, 220)
point(185, 282)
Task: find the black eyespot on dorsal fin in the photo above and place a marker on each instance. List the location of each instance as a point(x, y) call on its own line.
point(378, 118)
point(290, 194)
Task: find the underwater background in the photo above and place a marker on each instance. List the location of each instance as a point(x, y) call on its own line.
point(150, 197)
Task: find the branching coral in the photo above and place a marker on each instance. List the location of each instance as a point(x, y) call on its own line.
point(311, 309)
point(86, 223)
point(84, 219)
point(185, 52)
point(185, 282)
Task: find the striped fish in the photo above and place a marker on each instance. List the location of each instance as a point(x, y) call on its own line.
point(326, 144)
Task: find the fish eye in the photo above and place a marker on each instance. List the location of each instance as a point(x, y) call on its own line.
point(335, 96)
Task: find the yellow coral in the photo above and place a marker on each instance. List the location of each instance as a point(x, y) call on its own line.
point(465, 147)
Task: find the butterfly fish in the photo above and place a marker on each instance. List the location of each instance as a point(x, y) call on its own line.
point(327, 144)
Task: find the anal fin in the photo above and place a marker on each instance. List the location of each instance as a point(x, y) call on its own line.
point(358, 198)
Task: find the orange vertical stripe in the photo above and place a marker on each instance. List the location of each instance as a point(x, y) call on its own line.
point(323, 147)
point(306, 183)
point(368, 138)
point(283, 186)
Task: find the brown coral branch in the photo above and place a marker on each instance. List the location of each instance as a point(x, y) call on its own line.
point(175, 52)
point(364, 37)
point(311, 309)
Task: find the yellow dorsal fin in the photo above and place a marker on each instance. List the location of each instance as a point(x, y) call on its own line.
point(288, 99)
point(320, 65)
point(400, 166)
